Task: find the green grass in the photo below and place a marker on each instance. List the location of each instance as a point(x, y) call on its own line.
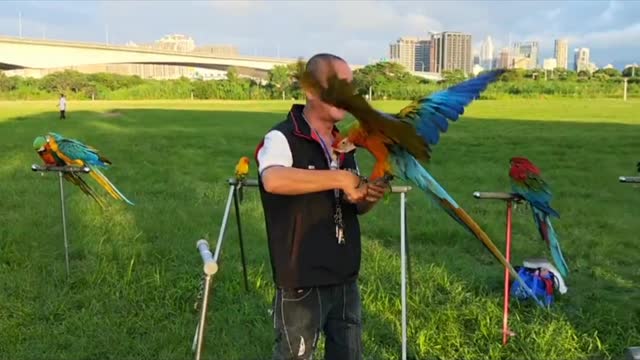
point(135, 270)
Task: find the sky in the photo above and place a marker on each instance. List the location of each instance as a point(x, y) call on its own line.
point(359, 31)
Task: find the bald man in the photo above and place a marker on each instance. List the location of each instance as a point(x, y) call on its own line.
point(311, 201)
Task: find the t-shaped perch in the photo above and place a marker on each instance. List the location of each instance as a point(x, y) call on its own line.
point(61, 170)
point(629, 179)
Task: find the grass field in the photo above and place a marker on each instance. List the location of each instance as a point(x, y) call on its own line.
point(135, 270)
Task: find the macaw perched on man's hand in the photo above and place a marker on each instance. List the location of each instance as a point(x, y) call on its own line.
point(398, 142)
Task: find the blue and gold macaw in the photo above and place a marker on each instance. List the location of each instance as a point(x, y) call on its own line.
point(74, 153)
point(399, 141)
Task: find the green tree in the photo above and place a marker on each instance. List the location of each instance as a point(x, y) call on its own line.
point(7, 83)
point(631, 71)
point(612, 72)
point(232, 74)
point(280, 77)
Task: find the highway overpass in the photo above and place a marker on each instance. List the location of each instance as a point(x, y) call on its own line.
point(19, 53)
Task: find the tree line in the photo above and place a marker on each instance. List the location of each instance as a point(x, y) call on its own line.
point(385, 80)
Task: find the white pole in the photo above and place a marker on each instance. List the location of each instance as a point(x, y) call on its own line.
point(64, 223)
point(403, 282)
point(223, 227)
point(370, 92)
point(625, 89)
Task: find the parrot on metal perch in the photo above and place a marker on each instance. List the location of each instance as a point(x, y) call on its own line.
point(527, 182)
point(51, 159)
point(242, 169)
point(398, 142)
point(74, 153)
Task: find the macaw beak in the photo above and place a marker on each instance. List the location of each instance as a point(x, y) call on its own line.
point(343, 146)
point(40, 150)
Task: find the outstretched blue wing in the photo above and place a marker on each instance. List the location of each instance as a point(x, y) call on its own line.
point(429, 115)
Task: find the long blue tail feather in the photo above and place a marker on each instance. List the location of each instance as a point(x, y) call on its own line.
point(543, 220)
point(408, 168)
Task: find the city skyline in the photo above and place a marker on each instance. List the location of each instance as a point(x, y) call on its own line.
point(608, 28)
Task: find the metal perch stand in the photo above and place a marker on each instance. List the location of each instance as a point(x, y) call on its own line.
point(210, 268)
point(61, 170)
point(508, 198)
point(211, 261)
point(629, 179)
point(403, 261)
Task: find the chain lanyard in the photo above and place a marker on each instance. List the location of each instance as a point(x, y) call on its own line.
point(333, 165)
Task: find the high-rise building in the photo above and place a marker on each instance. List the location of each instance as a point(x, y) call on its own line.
point(529, 50)
point(487, 53)
point(581, 59)
point(561, 53)
point(423, 55)
point(411, 52)
point(452, 51)
point(504, 59)
point(175, 42)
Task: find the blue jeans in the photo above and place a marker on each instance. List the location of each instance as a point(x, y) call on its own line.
point(301, 314)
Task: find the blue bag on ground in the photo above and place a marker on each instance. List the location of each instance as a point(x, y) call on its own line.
point(540, 281)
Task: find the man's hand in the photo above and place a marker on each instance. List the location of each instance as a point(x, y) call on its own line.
point(354, 189)
point(375, 192)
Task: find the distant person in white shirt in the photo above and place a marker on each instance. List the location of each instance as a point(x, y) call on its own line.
point(62, 104)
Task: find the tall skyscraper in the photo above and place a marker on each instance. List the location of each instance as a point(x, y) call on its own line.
point(452, 51)
point(528, 50)
point(504, 60)
point(412, 52)
point(561, 53)
point(487, 53)
point(423, 55)
point(581, 60)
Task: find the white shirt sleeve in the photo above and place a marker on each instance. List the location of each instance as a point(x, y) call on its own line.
point(275, 151)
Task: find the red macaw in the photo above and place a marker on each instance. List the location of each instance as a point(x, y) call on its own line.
point(527, 182)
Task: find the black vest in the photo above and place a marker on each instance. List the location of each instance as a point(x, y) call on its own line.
point(303, 247)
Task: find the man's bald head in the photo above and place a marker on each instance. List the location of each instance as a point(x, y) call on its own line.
point(317, 63)
point(320, 65)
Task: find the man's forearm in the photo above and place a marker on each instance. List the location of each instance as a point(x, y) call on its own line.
point(293, 181)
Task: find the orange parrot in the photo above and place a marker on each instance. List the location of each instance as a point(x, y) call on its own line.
point(242, 169)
